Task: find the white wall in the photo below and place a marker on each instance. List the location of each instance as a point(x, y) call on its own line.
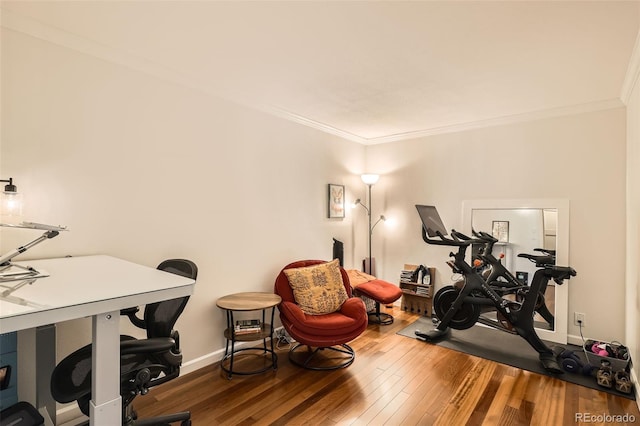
point(633, 219)
point(145, 170)
point(580, 158)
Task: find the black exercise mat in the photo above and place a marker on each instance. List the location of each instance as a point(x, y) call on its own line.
point(505, 348)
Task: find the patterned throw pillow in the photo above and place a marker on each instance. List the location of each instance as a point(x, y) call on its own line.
point(318, 289)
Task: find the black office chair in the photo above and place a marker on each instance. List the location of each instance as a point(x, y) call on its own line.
point(144, 363)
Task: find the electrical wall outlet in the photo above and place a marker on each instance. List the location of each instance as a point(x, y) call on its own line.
point(579, 319)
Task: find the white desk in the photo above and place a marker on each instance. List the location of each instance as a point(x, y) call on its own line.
point(96, 286)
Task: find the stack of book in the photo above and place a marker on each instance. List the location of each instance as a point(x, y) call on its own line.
point(423, 290)
point(407, 274)
point(248, 326)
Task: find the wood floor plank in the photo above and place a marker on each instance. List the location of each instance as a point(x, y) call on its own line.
point(551, 395)
point(420, 390)
point(384, 399)
point(486, 401)
point(394, 381)
point(499, 402)
point(461, 406)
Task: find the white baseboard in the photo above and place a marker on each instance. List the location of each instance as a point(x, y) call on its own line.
point(574, 340)
point(70, 415)
point(213, 357)
point(203, 361)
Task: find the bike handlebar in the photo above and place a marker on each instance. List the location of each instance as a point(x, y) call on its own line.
point(458, 240)
point(459, 235)
point(486, 237)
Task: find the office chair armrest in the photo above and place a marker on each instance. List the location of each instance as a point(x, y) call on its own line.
point(131, 313)
point(153, 345)
point(162, 379)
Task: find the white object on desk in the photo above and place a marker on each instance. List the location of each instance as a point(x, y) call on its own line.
point(97, 286)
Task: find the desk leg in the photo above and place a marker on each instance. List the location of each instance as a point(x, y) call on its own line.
point(106, 403)
point(37, 351)
point(45, 363)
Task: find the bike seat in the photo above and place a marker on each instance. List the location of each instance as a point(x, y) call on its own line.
point(541, 260)
point(560, 273)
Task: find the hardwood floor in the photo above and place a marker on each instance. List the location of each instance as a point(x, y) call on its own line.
point(394, 380)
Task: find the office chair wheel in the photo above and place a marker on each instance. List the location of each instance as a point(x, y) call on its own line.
point(186, 423)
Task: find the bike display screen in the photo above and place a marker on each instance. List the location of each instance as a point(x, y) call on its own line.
point(431, 220)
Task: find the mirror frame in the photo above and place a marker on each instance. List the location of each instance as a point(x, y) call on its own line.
point(559, 334)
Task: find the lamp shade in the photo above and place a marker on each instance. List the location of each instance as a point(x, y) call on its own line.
point(370, 178)
point(11, 200)
point(11, 204)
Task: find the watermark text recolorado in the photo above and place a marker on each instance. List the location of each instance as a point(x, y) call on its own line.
point(604, 418)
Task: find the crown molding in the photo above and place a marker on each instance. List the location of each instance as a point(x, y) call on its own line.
point(504, 120)
point(290, 116)
point(632, 77)
point(454, 128)
point(37, 29)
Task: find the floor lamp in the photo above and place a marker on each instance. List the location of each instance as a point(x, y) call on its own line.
point(370, 180)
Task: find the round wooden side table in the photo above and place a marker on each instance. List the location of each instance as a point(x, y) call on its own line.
point(242, 302)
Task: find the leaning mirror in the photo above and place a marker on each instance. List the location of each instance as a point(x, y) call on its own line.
point(522, 226)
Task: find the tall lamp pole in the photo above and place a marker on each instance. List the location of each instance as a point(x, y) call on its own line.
point(370, 180)
point(370, 271)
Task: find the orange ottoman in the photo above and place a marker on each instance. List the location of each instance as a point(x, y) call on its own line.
point(381, 292)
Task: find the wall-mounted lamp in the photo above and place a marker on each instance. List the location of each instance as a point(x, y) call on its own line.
point(369, 179)
point(11, 199)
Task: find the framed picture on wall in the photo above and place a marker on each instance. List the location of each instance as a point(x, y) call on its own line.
point(501, 230)
point(336, 201)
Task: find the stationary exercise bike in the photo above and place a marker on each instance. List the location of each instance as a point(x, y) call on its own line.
point(460, 308)
point(503, 281)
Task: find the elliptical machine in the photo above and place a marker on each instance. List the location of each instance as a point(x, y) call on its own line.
point(460, 308)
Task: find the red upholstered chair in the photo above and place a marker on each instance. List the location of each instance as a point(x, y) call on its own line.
point(319, 333)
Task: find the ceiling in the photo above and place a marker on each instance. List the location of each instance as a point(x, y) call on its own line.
point(367, 71)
